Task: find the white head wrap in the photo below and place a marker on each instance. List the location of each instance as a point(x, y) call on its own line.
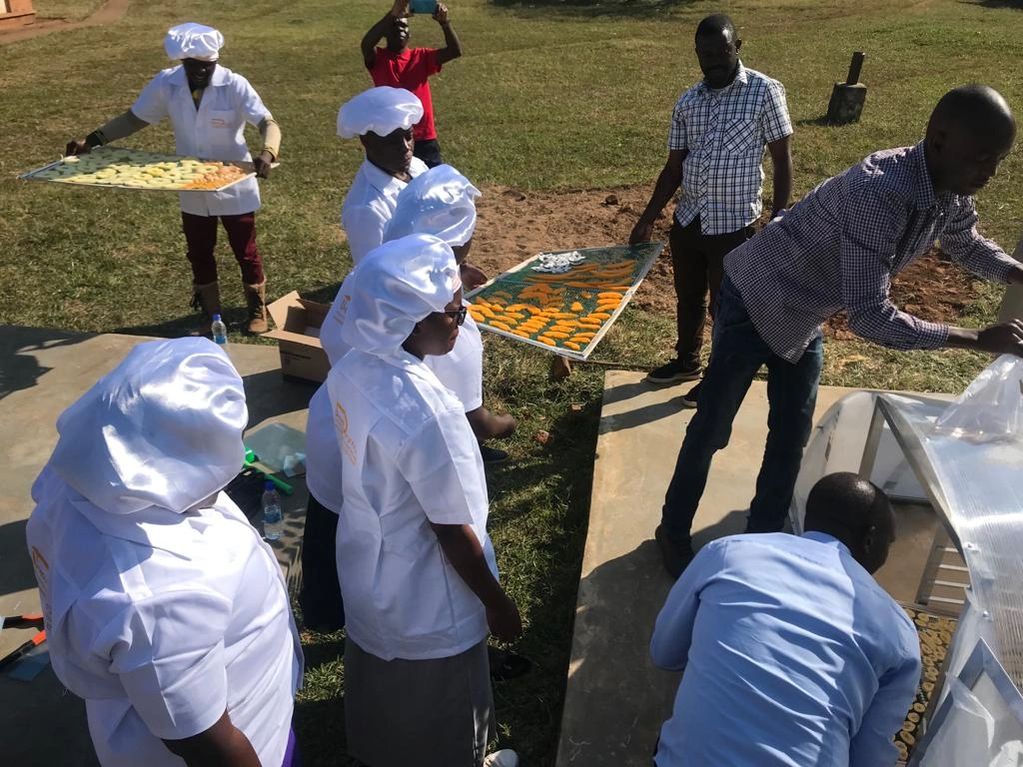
point(440, 202)
point(193, 41)
point(381, 110)
point(164, 429)
point(393, 288)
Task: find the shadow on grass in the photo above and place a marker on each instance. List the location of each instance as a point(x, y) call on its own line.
point(320, 730)
point(324, 295)
point(178, 327)
point(235, 317)
point(820, 122)
point(541, 509)
point(1017, 4)
point(593, 8)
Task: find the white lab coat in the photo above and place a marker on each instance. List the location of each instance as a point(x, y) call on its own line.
point(369, 205)
point(323, 456)
point(161, 621)
point(214, 131)
point(409, 458)
point(460, 370)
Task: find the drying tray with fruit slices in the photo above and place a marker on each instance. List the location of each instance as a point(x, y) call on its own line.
point(566, 312)
point(114, 167)
point(935, 631)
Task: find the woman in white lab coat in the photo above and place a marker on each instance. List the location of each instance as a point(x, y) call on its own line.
point(164, 608)
point(417, 569)
point(208, 106)
point(440, 202)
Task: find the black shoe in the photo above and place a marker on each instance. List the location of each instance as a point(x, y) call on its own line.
point(676, 556)
point(493, 455)
point(505, 664)
point(691, 398)
point(675, 371)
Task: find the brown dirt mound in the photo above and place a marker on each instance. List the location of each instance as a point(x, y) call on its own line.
point(514, 225)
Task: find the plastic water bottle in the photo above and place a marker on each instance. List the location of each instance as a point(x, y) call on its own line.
point(273, 519)
point(219, 331)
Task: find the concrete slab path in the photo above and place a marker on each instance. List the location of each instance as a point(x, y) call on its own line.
point(616, 700)
point(41, 373)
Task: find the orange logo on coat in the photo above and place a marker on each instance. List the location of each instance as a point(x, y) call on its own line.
point(346, 443)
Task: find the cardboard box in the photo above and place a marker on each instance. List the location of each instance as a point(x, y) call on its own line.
point(298, 324)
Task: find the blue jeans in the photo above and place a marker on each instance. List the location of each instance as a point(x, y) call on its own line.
point(737, 355)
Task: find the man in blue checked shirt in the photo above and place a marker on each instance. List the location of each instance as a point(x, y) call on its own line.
point(719, 130)
point(837, 250)
point(793, 654)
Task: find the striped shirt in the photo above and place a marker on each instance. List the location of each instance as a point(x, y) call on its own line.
point(724, 132)
point(839, 247)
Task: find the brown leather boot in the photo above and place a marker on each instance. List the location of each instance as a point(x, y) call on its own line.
point(255, 296)
point(560, 369)
point(206, 298)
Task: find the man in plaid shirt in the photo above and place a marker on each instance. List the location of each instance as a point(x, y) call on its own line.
point(715, 149)
point(836, 250)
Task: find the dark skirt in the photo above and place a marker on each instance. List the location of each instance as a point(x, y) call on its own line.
point(320, 597)
point(430, 713)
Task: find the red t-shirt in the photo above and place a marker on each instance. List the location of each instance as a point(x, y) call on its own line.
point(410, 70)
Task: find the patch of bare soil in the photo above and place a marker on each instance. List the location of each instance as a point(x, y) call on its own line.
point(108, 13)
point(514, 225)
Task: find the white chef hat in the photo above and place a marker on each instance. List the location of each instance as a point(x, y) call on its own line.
point(381, 110)
point(164, 429)
point(193, 41)
point(395, 286)
point(440, 202)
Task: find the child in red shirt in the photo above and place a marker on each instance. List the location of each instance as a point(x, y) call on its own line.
point(400, 66)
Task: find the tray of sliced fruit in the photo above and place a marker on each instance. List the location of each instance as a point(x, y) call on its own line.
point(122, 168)
point(563, 302)
point(935, 631)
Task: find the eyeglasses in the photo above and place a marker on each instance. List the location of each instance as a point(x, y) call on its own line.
point(457, 314)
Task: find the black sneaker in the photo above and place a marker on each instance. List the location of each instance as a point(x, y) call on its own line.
point(676, 556)
point(493, 455)
point(673, 372)
point(691, 398)
point(505, 664)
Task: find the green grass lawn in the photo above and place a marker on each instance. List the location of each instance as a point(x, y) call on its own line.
point(550, 94)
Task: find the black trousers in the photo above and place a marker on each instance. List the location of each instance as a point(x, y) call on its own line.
point(697, 260)
point(320, 598)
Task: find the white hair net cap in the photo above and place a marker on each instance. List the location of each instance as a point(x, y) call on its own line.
point(440, 202)
point(193, 41)
point(381, 110)
point(164, 428)
point(394, 287)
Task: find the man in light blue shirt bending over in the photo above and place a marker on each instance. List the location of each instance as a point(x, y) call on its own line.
point(793, 654)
